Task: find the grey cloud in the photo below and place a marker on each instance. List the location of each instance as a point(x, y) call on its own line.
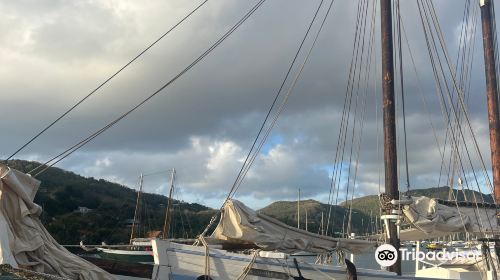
point(204, 123)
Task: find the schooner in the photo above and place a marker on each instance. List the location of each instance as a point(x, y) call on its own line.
point(249, 245)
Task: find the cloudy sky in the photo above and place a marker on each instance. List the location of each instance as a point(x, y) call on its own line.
point(54, 52)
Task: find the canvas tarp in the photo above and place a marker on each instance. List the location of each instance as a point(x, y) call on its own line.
point(432, 219)
point(239, 223)
point(24, 241)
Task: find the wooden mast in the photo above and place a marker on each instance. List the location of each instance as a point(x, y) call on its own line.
point(491, 92)
point(136, 208)
point(298, 210)
point(168, 212)
point(389, 116)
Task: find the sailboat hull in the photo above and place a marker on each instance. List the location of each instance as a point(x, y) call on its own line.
point(126, 255)
point(177, 261)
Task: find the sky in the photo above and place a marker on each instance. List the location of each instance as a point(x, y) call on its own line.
point(54, 52)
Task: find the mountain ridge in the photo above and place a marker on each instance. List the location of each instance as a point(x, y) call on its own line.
point(111, 205)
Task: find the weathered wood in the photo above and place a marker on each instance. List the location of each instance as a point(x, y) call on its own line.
point(492, 94)
point(389, 116)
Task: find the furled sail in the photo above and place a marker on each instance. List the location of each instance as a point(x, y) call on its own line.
point(24, 241)
point(239, 223)
point(432, 219)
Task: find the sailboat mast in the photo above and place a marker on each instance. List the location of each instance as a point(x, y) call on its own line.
point(168, 212)
point(322, 224)
point(371, 222)
point(136, 208)
point(491, 92)
point(306, 217)
point(298, 210)
point(389, 116)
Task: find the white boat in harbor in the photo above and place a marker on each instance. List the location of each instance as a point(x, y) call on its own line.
point(249, 245)
point(176, 261)
point(139, 255)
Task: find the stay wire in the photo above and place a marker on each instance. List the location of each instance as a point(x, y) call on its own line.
point(361, 120)
point(195, 62)
point(463, 107)
point(356, 120)
point(337, 169)
point(400, 50)
point(275, 100)
point(453, 109)
point(460, 98)
point(105, 82)
point(284, 101)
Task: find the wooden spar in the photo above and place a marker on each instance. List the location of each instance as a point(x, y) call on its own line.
point(136, 208)
point(349, 221)
point(371, 222)
point(322, 224)
point(168, 212)
point(491, 92)
point(306, 216)
point(298, 210)
point(389, 116)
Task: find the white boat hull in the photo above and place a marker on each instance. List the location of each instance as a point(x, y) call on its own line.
point(178, 262)
point(175, 261)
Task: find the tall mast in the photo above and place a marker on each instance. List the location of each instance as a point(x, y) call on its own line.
point(371, 222)
point(491, 92)
point(306, 216)
point(322, 225)
point(168, 212)
point(390, 153)
point(136, 208)
point(298, 210)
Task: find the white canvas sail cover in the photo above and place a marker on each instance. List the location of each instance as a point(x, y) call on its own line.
point(432, 219)
point(239, 223)
point(24, 241)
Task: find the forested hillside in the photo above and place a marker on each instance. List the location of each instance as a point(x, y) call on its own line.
point(286, 211)
point(370, 204)
point(112, 207)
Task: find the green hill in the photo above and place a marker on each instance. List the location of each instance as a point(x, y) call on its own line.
point(286, 211)
point(112, 206)
point(62, 192)
point(370, 203)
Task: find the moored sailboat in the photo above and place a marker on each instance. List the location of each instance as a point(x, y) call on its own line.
point(250, 245)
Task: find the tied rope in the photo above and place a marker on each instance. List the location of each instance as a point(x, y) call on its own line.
point(207, 256)
point(249, 266)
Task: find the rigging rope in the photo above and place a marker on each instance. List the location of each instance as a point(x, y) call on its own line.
point(400, 52)
point(245, 163)
point(464, 109)
point(105, 82)
point(360, 121)
point(283, 103)
point(339, 153)
point(83, 142)
point(425, 10)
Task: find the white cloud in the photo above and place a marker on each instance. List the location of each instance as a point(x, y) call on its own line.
point(55, 52)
